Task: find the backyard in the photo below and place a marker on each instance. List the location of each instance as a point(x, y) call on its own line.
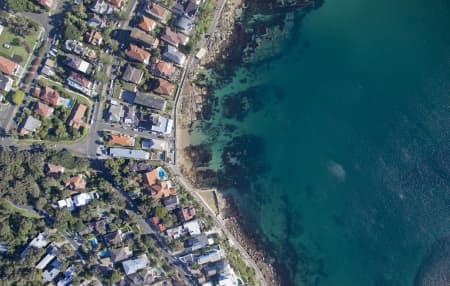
point(15, 46)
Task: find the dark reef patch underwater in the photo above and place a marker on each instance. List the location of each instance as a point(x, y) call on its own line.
point(331, 136)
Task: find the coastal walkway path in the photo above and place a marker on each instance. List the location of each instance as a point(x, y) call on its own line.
point(221, 223)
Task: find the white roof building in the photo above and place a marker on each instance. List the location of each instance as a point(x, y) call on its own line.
point(66, 203)
point(45, 261)
point(162, 125)
point(128, 153)
point(211, 256)
point(227, 280)
point(156, 144)
point(192, 227)
point(132, 266)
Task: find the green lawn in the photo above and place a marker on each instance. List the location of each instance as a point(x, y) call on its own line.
point(22, 51)
point(9, 207)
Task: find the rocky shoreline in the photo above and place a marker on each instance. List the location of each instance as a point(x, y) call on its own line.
point(226, 47)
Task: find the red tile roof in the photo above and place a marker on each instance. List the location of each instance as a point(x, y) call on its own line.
point(157, 10)
point(80, 79)
point(151, 177)
point(164, 87)
point(163, 68)
point(76, 183)
point(54, 169)
point(75, 120)
point(138, 54)
point(147, 24)
point(50, 96)
point(162, 190)
point(121, 139)
point(187, 213)
point(116, 3)
point(7, 66)
point(43, 109)
point(94, 37)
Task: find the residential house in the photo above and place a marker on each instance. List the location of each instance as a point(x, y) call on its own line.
point(43, 109)
point(144, 39)
point(162, 124)
point(94, 38)
point(120, 254)
point(196, 242)
point(5, 83)
point(227, 280)
point(102, 7)
point(84, 198)
point(164, 87)
point(53, 270)
point(80, 83)
point(211, 256)
point(48, 71)
point(138, 54)
point(162, 190)
point(157, 11)
point(45, 3)
point(184, 23)
point(95, 21)
point(76, 118)
point(189, 9)
point(216, 268)
point(132, 266)
point(149, 101)
point(174, 38)
point(77, 64)
point(155, 176)
point(132, 74)
point(122, 139)
point(158, 223)
point(29, 125)
point(54, 169)
point(114, 237)
point(129, 153)
point(147, 24)
point(175, 232)
point(162, 69)
point(49, 95)
point(67, 203)
point(117, 4)
point(76, 183)
point(192, 227)
point(155, 144)
point(40, 241)
point(45, 261)
point(8, 67)
point(100, 226)
point(116, 112)
point(171, 203)
point(187, 213)
point(172, 54)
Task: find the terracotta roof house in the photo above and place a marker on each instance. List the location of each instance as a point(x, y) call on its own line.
point(147, 24)
point(153, 177)
point(114, 237)
point(138, 54)
point(94, 38)
point(158, 223)
point(164, 87)
point(162, 69)
point(174, 38)
point(157, 11)
point(54, 169)
point(9, 67)
point(116, 3)
point(187, 213)
point(132, 74)
point(50, 96)
point(122, 139)
point(80, 83)
point(162, 190)
point(30, 124)
point(144, 39)
point(46, 3)
point(76, 118)
point(76, 183)
point(43, 109)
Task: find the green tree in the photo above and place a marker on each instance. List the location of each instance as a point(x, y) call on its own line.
point(18, 97)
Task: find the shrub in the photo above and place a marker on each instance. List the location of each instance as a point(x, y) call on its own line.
point(18, 97)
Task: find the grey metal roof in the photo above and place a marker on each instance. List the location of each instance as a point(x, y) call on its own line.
point(149, 101)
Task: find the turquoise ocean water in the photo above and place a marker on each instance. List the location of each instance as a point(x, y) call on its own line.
point(345, 140)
